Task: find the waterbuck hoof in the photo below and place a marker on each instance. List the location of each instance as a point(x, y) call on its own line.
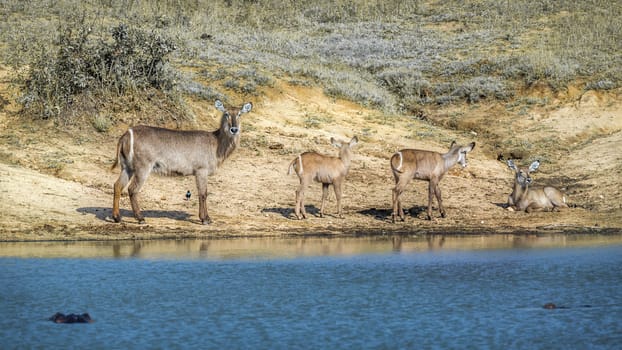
point(206, 222)
point(394, 218)
point(141, 221)
point(428, 217)
point(116, 219)
point(443, 215)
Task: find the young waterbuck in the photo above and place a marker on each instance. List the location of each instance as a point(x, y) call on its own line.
point(527, 198)
point(409, 164)
point(327, 170)
point(145, 149)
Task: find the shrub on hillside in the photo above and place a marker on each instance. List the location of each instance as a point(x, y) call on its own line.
point(474, 89)
point(123, 61)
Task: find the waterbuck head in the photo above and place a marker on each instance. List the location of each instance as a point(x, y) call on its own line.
point(344, 147)
point(522, 174)
point(462, 152)
point(230, 122)
point(230, 127)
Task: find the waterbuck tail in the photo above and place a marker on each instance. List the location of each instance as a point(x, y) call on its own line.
point(117, 157)
point(290, 170)
point(120, 155)
point(293, 163)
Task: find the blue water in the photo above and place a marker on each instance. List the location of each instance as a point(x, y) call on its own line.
point(386, 300)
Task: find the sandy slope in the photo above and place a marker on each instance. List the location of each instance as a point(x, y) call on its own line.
point(57, 185)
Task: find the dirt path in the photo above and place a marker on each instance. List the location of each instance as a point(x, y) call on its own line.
point(58, 186)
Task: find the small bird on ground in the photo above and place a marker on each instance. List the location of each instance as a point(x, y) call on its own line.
point(188, 195)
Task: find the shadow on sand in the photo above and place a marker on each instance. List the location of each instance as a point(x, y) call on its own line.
point(105, 214)
point(385, 214)
point(288, 212)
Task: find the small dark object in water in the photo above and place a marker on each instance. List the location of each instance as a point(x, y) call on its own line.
point(71, 318)
point(550, 306)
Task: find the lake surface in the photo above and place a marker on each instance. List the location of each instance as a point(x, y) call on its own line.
point(370, 293)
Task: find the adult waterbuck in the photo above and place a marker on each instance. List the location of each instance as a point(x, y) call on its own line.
point(525, 197)
point(145, 149)
point(327, 170)
point(409, 164)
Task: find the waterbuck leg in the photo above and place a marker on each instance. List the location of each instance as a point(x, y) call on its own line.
point(297, 206)
point(430, 198)
point(201, 179)
point(397, 203)
point(134, 189)
point(324, 196)
point(299, 210)
point(119, 185)
point(395, 195)
point(441, 209)
point(203, 216)
point(303, 211)
point(337, 188)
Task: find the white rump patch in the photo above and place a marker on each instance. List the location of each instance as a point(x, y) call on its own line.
point(131, 156)
point(399, 166)
point(300, 163)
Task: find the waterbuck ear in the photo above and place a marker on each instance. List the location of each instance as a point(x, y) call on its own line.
point(335, 142)
point(453, 143)
point(511, 165)
point(219, 106)
point(472, 146)
point(247, 107)
point(534, 166)
point(354, 141)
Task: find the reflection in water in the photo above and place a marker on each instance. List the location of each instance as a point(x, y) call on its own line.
point(268, 248)
point(117, 249)
point(397, 244)
point(435, 241)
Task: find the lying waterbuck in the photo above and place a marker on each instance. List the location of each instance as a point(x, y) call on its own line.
point(409, 164)
point(527, 198)
point(143, 149)
point(327, 170)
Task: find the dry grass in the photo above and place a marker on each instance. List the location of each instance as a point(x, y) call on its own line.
point(391, 55)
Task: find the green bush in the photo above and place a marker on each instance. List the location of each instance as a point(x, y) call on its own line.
point(123, 61)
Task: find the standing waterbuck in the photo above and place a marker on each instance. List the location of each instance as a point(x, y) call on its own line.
point(409, 164)
point(143, 149)
point(524, 197)
point(327, 170)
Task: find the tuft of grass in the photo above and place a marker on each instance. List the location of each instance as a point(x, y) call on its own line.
point(315, 121)
point(102, 123)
